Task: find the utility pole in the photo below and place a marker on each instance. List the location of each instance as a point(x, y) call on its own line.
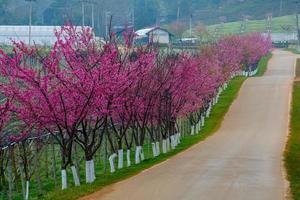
point(178, 10)
point(133, 20)
point(297, 21)
point(281, 6)
point(83, 5)
point(30, 20)
point(243, 25)
point(269, 22)
point(107, 19)
point(82, 12)
point(93, 16)
point(191, 18)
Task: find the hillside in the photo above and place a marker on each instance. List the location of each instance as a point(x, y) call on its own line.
point(144, 12)
point(284, 24)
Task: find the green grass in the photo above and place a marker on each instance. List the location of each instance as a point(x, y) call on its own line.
point(257, 25)
point(298, 68)
point(263, 63)
point(293, 50)
point(292, 155)
point(211, 126)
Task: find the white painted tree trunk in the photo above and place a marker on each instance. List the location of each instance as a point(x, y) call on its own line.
point(64, 179)
point(164, 146)
point(192, 130)
point(112, 162)
point(207, 112)
point(87, 172)
point(75, 176)
point(27, 190)
point(157, 148)
point(93, 170)
point(154, 152)
point(202, 120)
point(90, 171)
point(137, 155)
point(179, 138)
point(120, 158)
point(168, 144)
point(176, 139)
point(172, 142)
point(128, 158)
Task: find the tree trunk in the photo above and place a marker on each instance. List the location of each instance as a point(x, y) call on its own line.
point(27, 190)
point(128, 158)
point(154, 152)
point(53, 170)
point(46, 161)
point(157, 148)
point(90, 171)
point(37, 170)
point(9, 173)
point(120, 158)
point(164, 146)
point(64, 184)
point(75, 176)
point(112, 162)
point(23, 182)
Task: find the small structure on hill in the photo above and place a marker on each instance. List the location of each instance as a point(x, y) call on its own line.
point(153, 35)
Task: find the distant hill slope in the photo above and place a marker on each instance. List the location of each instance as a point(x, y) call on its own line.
point(145, 12)
point(284, 24)
point(234, 10)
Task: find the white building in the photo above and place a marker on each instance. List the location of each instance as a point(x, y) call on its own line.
point(40, 35)
point(279, 37)
point(154, 34)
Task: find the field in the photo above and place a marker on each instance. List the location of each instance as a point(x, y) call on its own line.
point(278, 23)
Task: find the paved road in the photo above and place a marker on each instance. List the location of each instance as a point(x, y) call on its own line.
point(242, 161)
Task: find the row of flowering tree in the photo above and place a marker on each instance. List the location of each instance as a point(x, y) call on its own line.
point(83, 94)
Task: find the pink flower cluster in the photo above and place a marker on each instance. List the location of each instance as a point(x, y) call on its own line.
point(81, 87)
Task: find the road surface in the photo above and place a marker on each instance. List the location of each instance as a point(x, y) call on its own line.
point(241, 161)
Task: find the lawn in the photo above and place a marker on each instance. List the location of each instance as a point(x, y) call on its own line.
point(257, 25)
point(292, 154)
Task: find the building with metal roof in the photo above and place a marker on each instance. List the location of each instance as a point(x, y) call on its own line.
point(153, 35)
point(40, 35)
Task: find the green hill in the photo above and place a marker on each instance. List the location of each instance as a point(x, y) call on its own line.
point(284, 24)
point(145, 12)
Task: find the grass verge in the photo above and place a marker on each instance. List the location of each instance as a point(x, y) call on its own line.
point(211, 126)
point(298, 69)
point(263, 63)
point(293, 50)
point(292, 154)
